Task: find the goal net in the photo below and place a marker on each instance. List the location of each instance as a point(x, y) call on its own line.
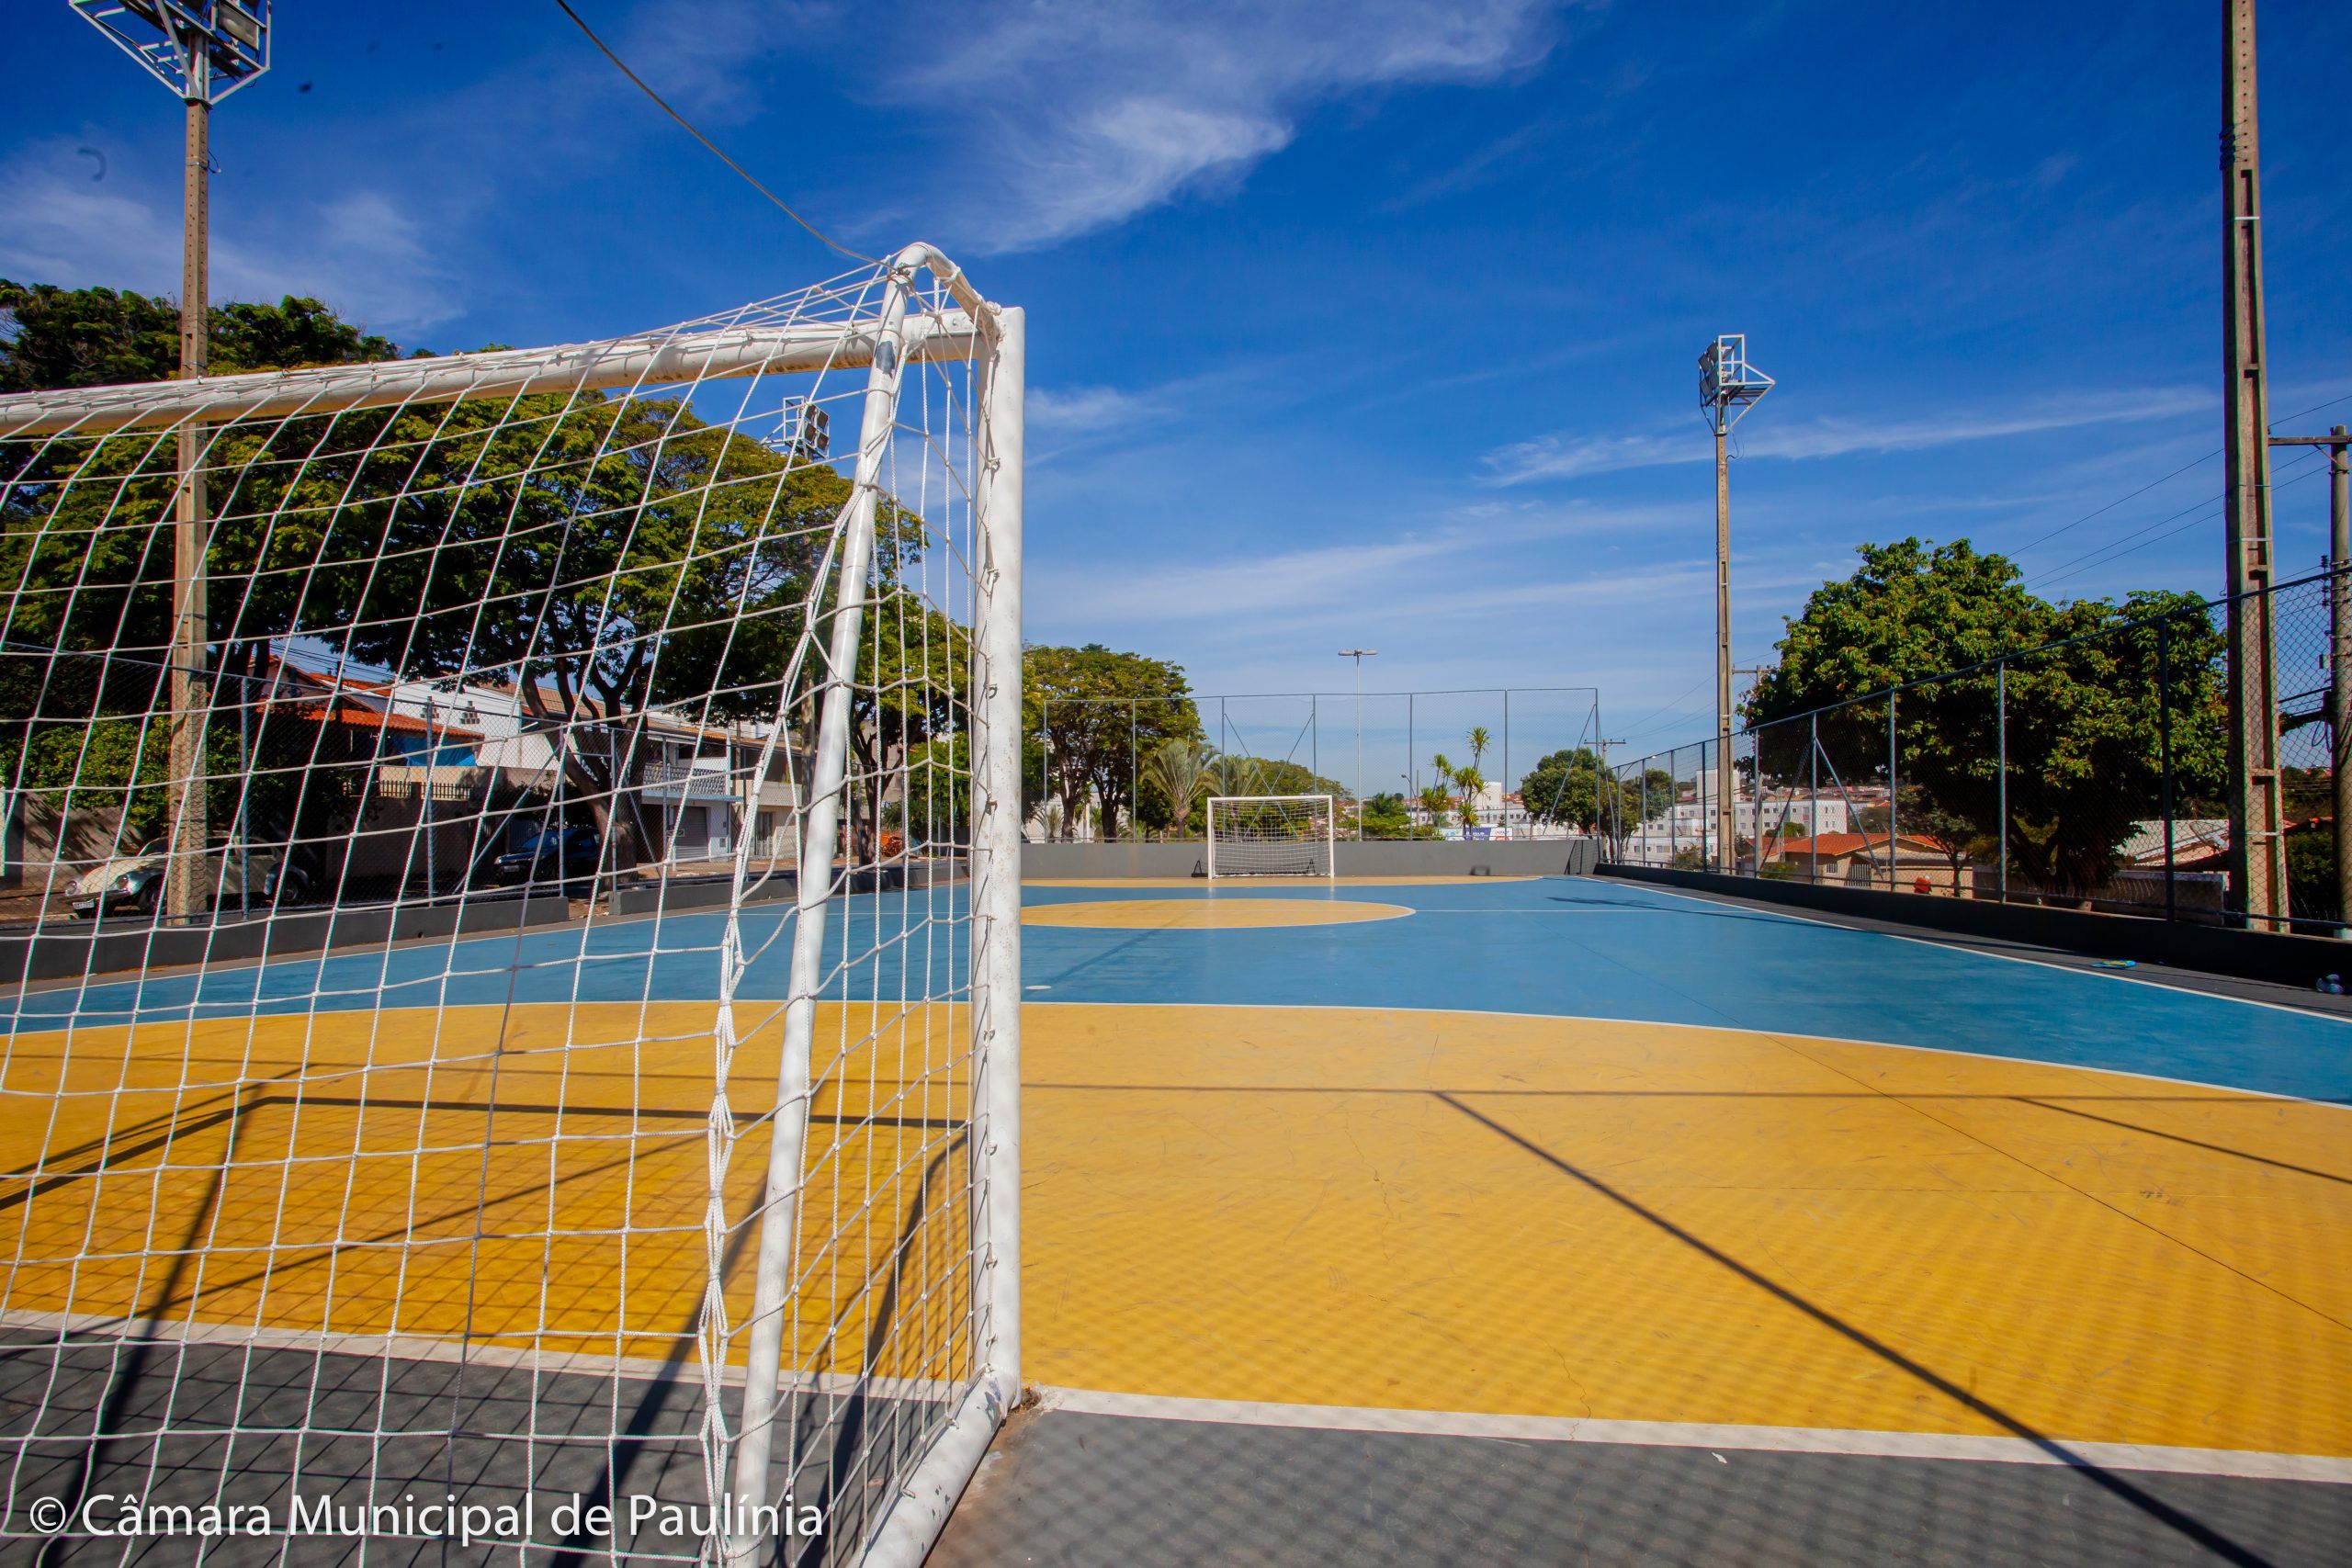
point(1271, 835)
point(513, 930)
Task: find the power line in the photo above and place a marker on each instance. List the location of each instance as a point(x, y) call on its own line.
point(622, 65)
point(2059, 572)
point(2167, 480)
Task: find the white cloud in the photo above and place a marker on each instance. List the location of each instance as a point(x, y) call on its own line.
point(359, 252)
point(1085, 410)
point(1077, 114)
point(1564, 456)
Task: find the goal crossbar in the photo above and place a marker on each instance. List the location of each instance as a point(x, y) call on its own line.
point(653, 359)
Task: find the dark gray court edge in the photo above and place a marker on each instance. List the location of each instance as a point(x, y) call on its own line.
point(599, 1437)
point(1076, 1491)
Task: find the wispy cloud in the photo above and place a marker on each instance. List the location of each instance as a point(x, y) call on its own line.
point(1077, 114)
point(1566, 457)
point(359, 251)
point(1084, 411)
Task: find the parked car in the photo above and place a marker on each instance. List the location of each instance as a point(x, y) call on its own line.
point(133, 884)
point(554, 855)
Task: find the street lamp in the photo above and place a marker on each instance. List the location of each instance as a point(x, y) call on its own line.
point(203, 51)
point(1728, 388)
point(1358, 655)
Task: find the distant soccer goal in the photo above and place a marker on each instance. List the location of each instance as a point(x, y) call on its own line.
point(520, 904)
point(1271, 835)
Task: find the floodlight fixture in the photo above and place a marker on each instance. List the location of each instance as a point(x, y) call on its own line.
point(1728, 384)
point(804, 431)
point(201, 49)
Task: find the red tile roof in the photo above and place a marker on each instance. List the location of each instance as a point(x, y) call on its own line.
point(1834, 846)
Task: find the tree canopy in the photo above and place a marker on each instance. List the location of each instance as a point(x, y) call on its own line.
point(1100, 712)
point(609, 554)
point(2093, 687)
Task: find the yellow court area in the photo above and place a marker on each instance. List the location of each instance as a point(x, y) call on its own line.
point(1207, 914)
point(533, 1177)
point(1658, 1223)
point(1326, 1206)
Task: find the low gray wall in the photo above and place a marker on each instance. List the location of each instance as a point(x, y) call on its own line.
point(2298, 961)
point(58, 952)
point(1373, 857)
point(680, 894)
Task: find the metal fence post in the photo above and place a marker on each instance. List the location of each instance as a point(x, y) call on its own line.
point(2001, 751)
point(1674, 806)
point(1812, 800)
point(1641, 818)
point(1892, 793)
point(2163, 746)
point(1135, 775)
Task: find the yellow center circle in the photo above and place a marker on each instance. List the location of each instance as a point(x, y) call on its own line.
point(1206, 914)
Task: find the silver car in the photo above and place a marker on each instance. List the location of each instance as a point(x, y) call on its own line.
point(133, 884)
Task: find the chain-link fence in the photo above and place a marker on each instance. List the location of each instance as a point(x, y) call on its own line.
point(1109, 767)
point(2091, 772)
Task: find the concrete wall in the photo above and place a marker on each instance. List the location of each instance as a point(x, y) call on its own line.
point(677, 894)
point(57, 951)
point(2298, 961)
point(1375, 857)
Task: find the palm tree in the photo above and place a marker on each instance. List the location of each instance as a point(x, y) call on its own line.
point(1183, 771)
point(1435, 803)
point(1478, 740)
point(1469, 782)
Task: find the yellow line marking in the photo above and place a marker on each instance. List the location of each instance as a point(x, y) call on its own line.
point(1207, 914)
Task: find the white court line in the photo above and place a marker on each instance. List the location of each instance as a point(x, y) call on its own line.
point(1958, 943)
point(2238, 1462)
point(81, 1329)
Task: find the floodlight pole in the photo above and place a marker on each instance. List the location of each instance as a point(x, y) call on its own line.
point(202, 49)
point(1728, 388)
point(2257, 829)
point(1358, 655)
point(182, 894)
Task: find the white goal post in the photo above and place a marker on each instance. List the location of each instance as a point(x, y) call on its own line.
point(1272, 835)
point(521, 931)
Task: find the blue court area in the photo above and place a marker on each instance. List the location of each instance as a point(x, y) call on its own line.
point(1561, 947)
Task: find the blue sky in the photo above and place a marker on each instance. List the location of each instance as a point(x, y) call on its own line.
point(1368, 323)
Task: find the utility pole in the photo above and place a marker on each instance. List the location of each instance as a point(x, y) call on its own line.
point(1728, 388)
point(2258, 827)
point(1358, 655)
point(2339, 650)
point(203, 51)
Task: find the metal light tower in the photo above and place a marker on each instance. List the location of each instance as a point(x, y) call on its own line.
point(204, 51)
point(1728, 388)
point(1358, 655)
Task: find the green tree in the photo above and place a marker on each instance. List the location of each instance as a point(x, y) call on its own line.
point(1567, 788)
point(1385, 817)
point(2082, 740)
point(52, 337)
point(606, 554)
point(1097, 713)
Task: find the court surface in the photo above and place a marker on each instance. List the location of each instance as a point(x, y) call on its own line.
point(1541, 1219)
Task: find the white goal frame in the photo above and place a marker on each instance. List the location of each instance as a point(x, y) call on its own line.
point(880, 333)
point(1329, 805)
